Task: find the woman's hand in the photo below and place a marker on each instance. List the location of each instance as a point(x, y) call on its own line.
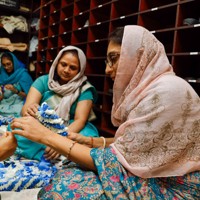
point(51, 154)
point(11, 88)
point(80, 138)
point(8, 145)
point(31, 110)
point(30, 128)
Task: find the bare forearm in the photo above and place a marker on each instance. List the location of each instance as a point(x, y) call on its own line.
point(76, 126)
point(79, 154)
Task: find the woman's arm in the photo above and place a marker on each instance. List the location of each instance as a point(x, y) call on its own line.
point(82, 112)
point(95, 142)
point(32, 102)
point(30, 128)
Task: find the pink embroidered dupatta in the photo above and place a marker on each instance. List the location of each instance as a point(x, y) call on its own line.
point(158, 113)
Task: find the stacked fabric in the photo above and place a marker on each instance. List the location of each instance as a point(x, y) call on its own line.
point(17, 173)
point(51, 120)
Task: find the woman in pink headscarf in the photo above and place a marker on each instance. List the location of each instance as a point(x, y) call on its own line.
point(155, 153)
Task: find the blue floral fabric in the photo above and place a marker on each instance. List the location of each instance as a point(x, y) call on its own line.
point(113, 181)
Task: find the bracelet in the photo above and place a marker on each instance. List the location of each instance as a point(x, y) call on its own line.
point(70, 148)
point(104, 142)
point(92, 140)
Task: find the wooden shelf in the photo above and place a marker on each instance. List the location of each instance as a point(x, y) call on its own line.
point(87, 24)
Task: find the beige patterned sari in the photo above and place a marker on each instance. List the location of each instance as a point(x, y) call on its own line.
point(158, 113)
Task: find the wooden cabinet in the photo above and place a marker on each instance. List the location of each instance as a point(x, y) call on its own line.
point(16, 34)
point(87, 23)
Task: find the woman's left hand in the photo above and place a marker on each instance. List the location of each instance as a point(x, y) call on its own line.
point(10, 87)
point(51, 154)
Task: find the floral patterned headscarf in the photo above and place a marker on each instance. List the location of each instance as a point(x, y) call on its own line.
point(158, 113)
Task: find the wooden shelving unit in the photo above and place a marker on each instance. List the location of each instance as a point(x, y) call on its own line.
point(19, 36)
point(87, 23)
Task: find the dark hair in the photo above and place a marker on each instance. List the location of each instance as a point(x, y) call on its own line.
point(8, 56)
point(73, 52)
point(117, 35)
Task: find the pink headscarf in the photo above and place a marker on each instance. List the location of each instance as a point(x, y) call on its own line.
point(70, 90)
point(158, 113)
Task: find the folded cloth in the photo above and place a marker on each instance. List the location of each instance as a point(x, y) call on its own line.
point(5, 43)
point(190, 21)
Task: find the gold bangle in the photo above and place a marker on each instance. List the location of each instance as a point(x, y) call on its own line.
point(70, 148)
point(104, 142)
point(92, 140)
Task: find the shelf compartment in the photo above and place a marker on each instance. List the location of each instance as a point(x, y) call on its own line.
point(98, 32)
point(51, 54)
point(64, 40)
point(94, 80)
point(189, 45)
point(65, 26)
point(100, 14)
point(107, 103)
point(167, 39)
point(108, 86)
point(190, 66)
point(42, 45)
point(81, 6)
point(54, 18)
point(55, 6)
point(52, 42)
point(44, 22)
point(43, 33)
point(66, 12)
point(97, 48)
point(149, 4)
point(53, 30)
point(124, 8)
point(79, 36)
point(95, 66)
point(128, 20)
point(166, 21)
point(184, 12)
point(98, 104)
point(45, 10)
point(106, 124)
point(80, 21)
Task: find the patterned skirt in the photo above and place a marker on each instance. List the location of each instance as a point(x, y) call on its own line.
point(112, 181)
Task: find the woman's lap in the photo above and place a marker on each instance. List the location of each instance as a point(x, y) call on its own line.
point(113, 182)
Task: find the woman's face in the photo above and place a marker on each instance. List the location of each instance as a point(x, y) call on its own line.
point(7, 64)
point(113, 54)
point(68, 67)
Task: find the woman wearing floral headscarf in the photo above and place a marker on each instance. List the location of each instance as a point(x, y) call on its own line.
point(155, 153)
point(15, 83)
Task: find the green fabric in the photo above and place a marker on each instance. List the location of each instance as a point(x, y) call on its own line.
point(34, 150)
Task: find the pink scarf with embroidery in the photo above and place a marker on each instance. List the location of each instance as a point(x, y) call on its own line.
point(158, 113)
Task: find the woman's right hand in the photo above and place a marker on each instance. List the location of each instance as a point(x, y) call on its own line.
point(31, 110)
point(80, 138)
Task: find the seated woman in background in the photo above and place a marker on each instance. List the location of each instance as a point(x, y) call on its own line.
point(155, 152)
point(67, 91)
point(15, 83)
